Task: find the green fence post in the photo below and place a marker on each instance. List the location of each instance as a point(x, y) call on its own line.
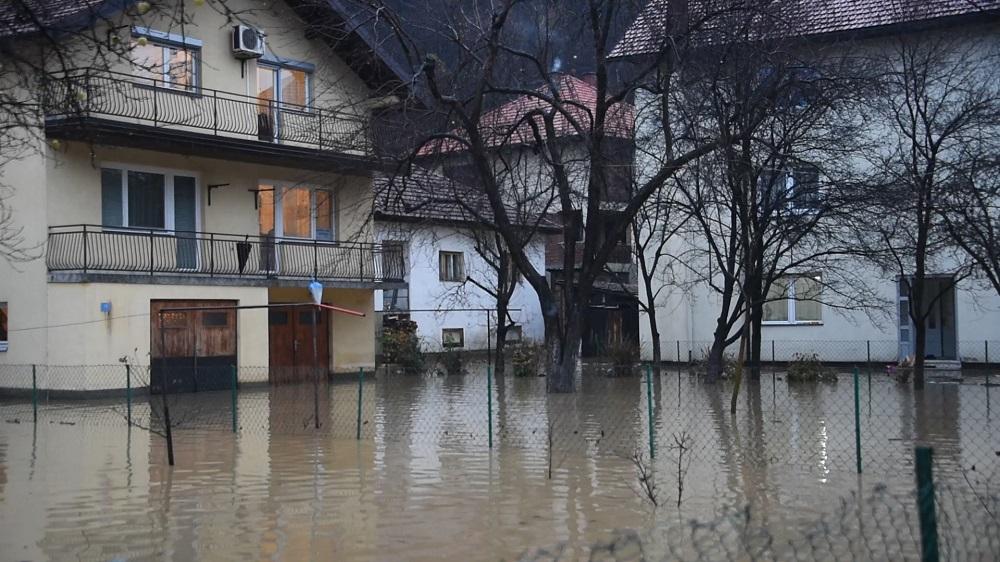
point(128, 393)
point(234, 384)
point(925, 504)
point(361, 386)
point(857, 421)
point(34, 394)
point(489, 402)
point(649, 410)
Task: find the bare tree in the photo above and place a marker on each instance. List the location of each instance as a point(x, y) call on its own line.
point(490, 70)
point(939, 112)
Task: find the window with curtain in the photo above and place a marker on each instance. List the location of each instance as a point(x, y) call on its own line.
point(166, 64)
point(795, 300)
point(452, 266)
point(305, 212)
point(3, 326)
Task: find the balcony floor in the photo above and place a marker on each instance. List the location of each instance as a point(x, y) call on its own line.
point(215, 281)
point(113, 132)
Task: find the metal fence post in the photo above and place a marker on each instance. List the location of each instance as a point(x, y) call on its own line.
point(234, 384)
point(649, 410)
point(128, 393)
point(361, 386)
point(925, 504)
point(857, 421)
point(489, 402)
point(34, 393)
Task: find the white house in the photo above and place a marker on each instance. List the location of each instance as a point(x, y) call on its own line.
point(447, 275)
point(963, 325)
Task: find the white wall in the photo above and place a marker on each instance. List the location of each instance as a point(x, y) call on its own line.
point(428, 292)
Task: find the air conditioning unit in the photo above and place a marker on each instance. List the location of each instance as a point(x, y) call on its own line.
point(248, 43)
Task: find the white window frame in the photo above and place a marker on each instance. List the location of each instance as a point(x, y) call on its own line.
point(168, 194)
point(279, 209)
point(168, 41)
point(790, 302)
point(276, 68)
point(441, 269)
point(460, 331)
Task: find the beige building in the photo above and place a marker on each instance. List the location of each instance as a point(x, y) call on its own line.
point(190, 159)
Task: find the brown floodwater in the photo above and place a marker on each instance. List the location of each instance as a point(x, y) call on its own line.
point(422, 483)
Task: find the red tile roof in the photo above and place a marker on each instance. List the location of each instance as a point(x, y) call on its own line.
point(809, 17)
point(509, 125)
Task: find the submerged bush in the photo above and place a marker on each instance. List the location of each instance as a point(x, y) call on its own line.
point(401, 346)
point(451, 360)
point(623, 356)
point(806, 367)
point(525, 359)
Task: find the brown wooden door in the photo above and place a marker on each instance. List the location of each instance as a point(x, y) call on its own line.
point(196, 349)
point(291, 344)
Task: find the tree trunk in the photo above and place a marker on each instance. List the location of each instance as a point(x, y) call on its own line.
point(919, 329)
point(499, 364)
point(716, 358)
point(657, 351)
point(756, 339)
point(563, 350)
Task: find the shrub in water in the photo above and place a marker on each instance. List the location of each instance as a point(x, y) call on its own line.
point(525, 358)
point(401, 346)
point(806, 367)
point(451, 361)
point(623, 357)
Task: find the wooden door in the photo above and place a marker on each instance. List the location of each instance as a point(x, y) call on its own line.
point(194, 349)
point(292, 359)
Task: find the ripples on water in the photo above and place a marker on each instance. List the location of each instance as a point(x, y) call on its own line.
point(422, 485)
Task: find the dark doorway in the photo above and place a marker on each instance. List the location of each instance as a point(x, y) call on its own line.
point(290, 334)
point(195, 349)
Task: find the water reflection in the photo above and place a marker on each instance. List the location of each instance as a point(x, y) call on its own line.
point(422, 483)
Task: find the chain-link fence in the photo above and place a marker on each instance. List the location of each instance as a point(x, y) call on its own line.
point(671, 424)
point(979, 352)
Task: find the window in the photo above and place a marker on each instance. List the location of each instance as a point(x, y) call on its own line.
point(795, 300)
point(453, 337)
point(452, 266)
point(3, 326)
point(297, 212)
point(159, 200)
point(168, 60)
point(280, 90)
point(795, 191)
point(513, 334)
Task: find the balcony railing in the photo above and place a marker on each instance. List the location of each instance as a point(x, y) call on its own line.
point(147, 101)
point(90, 248)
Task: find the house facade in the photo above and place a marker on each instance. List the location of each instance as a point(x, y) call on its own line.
point(223, 162)
point(450, 267)
point(963, 321)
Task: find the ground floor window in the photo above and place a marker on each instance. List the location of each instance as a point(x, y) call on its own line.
point(795, 300)
point(513, 334)
point(453, 337)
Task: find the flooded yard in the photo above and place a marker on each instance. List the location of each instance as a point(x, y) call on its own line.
point(422, 483)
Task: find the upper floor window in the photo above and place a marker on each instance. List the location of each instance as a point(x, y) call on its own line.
point(296, 212)
point(452, 266)
point(795, 300)
point(792, 191)
point(168, 60)
point(148, 198)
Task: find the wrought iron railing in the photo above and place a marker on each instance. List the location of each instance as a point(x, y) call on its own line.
point(91, 248)
point(148, 101)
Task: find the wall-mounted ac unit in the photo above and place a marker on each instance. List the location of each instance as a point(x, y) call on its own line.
point(248, 43)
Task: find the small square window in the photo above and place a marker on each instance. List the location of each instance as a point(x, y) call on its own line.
point(453, 337)
point(452, 266)
point(513, 334)
point(3, 326)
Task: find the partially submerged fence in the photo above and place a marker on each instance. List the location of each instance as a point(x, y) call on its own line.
point(869, 352)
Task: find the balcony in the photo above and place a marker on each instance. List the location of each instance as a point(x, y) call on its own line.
point(124, 110)
point(91, 253)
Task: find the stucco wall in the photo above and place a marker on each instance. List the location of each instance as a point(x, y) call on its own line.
point(428, 292)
